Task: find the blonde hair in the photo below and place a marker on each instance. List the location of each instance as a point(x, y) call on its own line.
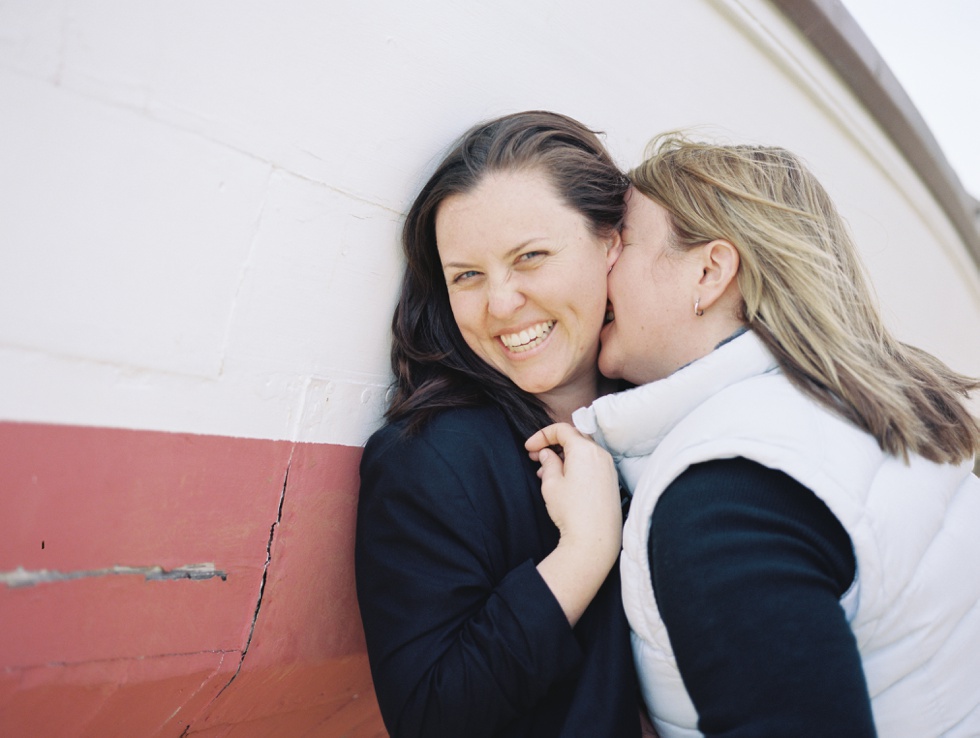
point(805, 293)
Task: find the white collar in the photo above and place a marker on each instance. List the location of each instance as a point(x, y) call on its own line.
point(633, 422)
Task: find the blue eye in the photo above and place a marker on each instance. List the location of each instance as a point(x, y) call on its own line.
point(463, 276)
point(530, 255)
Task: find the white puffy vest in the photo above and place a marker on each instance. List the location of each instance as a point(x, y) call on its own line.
point(914, 607)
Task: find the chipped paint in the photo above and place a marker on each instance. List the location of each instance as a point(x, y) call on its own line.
point(20, 577)
point(144, 433)
point(272, 646)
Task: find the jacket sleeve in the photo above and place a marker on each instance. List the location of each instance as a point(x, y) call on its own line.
point(748, 568)
point(457, 646)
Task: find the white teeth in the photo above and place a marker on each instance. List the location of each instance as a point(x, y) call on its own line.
point(528, 338)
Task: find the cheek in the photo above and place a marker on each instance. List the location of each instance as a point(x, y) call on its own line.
point(463, 302)
point(593, 303)
point(598, 288)
point(584, 288)
point(617, 283)
point(465, 314)
point(456, 309)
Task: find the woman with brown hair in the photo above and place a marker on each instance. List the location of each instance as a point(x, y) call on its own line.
point(488, 609)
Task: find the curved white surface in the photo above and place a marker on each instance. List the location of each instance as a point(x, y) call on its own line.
point(201, 202)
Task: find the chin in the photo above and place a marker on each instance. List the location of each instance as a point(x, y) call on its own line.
point(535, 388)
point(609, 370)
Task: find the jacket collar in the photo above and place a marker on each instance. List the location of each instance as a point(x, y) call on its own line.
point(633, 422)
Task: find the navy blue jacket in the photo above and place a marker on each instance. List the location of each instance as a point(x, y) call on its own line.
point(463, 635)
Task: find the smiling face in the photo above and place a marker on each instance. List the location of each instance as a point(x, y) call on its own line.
point(527, 284)
point(651, 290)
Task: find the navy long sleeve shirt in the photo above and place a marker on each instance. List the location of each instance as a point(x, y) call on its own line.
point(748, 568)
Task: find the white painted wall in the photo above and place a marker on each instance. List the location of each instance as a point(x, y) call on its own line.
point(200, 201)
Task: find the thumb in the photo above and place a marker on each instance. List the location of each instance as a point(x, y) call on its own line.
point(551, 464)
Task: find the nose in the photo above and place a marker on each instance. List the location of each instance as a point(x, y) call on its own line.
point(504, 297)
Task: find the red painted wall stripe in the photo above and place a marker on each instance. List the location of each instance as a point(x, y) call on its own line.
point(266, 642)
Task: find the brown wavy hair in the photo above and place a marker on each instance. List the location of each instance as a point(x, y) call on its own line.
point(434, 368)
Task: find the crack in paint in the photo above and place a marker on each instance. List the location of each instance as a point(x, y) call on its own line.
point(265, 576)
point(20, 577)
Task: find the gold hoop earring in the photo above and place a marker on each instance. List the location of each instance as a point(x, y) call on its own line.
point(697, 312)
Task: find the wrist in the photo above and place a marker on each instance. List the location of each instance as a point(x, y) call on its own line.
point(592, 551)
point(576, 570)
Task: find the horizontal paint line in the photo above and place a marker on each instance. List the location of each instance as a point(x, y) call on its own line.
point(119, 660)
point(20, 577)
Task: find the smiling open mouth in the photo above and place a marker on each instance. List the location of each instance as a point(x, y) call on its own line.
point(528, 338)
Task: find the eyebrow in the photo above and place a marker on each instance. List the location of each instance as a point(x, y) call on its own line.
point(513, 252)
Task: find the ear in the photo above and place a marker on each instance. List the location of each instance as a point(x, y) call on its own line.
point(614, 247)
point(719, 261)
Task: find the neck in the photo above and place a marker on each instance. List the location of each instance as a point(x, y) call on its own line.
point(563, 401)
point(714, 334)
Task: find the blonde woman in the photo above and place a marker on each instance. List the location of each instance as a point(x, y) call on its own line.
point(802, 555)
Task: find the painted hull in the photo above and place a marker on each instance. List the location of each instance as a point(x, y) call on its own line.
point(177, 584)
point(200, 207)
